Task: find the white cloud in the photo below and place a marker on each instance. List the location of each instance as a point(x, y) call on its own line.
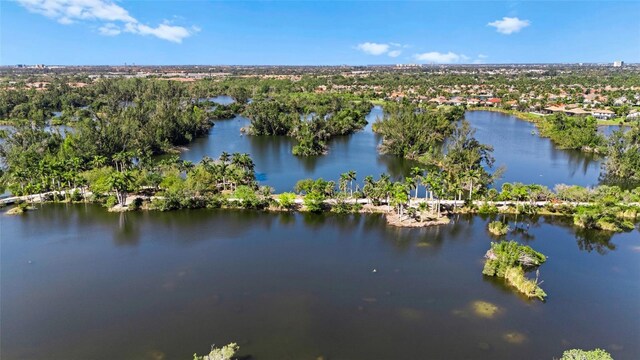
point(109, 29)
point(394, 53)
point(104, 11)
point(162, 31)
point(391, 49)
point(439, 58)
point(509, 25)
point(373, 48)
point(482, 56)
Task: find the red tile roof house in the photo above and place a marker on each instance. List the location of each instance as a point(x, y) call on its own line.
point(493, 102)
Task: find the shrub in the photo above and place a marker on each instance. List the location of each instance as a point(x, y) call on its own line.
point(603, 218)
point(225, 353)
point(287, 200)
point(342, 207)
point(527, 209)
point(577, 354)
point(136, 204)
point(509, 260)
point(247, 197)
point(486, 209)
point(498, 228)
point(110, 202)
point(313, 201)
point(76, 196)
point(515, 277)
point(550, 208)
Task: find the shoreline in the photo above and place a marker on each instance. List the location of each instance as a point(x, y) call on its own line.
point(420, 219)
point(535, 117)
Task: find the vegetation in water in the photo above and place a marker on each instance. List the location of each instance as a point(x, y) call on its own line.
point(509, 260)
point(572, 132)
point(578, 354)
point(411, 132)
point(498, 228)
point(311, 119)
point(623, 157)
point(224, 353)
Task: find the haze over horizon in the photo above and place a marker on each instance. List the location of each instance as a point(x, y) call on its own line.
point(104, 32)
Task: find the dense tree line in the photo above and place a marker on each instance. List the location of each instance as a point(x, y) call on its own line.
point(310, 119)
point(623, 161)
point(572, 132)
point(138, 120)
point(412, 132)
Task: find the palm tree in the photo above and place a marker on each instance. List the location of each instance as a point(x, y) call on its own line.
point(473, 176)
point(224, 157)
point(411, 183)
point(351, 175)
point(246, 162)
point(418, 174)
point(342, 183)
point(369, 185)
point(98, 161)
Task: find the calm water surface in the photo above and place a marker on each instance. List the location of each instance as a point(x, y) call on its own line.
point(276, 166)
point(78, 282)
point(526, 157)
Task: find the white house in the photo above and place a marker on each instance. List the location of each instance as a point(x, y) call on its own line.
point(603, 114)
point(634, 116)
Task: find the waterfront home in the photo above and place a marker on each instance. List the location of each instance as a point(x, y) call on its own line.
point(577, 112)
point(603, 114)
point(634, 116)
point(553, 109)
point(494, 102)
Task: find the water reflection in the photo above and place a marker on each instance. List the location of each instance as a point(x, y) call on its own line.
point(595, 240)
point(529, 158)
point(279, 168)
point(291, 285)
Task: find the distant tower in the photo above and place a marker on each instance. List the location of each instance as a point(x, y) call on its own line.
point(618, 63)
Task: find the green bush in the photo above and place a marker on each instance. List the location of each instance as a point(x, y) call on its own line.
point(225, 353)
point(287, 200)
point(76, 196)
point(515, 277)
point(577, 354)
point(313, 201)
point(609, 218)
point(509, 260)
point(110, 202)
point(498, 228)
point(136, 204)
point(249, 199)
point(486, 209)
point(342, 207)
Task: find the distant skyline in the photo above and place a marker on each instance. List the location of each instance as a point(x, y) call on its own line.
point(103, 32)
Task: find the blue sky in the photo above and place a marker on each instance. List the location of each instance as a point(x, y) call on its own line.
point(110, 32)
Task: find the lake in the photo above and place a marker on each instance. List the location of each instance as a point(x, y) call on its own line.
point(276, 166)
point(79, 282)
point(526, 157)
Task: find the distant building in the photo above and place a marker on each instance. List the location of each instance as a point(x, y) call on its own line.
point(618, 63)
point(634, 116)
point(494, 101)
point(602, 114)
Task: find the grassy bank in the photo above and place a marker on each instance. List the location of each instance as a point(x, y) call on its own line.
point(526, 116)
